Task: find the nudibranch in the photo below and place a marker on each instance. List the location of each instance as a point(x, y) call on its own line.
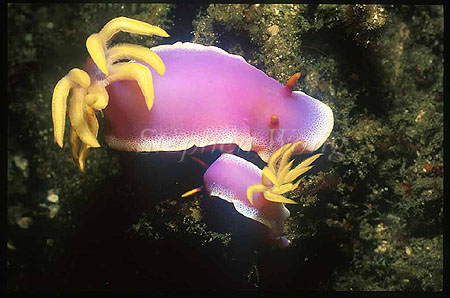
point(258, 194)
point(174, 97)
point(208, 97)
point(88, 90)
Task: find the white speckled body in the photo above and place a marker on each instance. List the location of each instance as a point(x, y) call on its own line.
point(208, 96)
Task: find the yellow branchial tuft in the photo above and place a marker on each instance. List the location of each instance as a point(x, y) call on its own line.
point(277, 176)
point(86, 97)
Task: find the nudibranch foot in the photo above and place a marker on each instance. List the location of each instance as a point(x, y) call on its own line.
point(88, 93)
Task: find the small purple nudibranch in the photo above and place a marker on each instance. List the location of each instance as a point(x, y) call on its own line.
point(229, 178)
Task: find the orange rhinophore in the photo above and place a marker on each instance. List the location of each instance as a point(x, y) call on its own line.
point(291, 82)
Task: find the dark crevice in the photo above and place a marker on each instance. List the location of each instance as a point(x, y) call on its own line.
point(182, 17)
point(358, 66)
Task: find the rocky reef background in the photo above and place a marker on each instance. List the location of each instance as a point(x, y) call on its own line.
point(371, 214)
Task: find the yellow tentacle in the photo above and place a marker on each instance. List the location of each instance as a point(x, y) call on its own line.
point(283, 172)
point(135, 52)
point(269, 176)
point(277, 176)
point(75, 143)
point(59, 106)
point(301, 168)
point(274, 158)
point(255, 188)
point(284, 188)
point(82, 156)
point(288, 154)
point(91, 120)
point(76, 116)
point(292, 175)
point(96, 48)
point(131, 26)
point(83, 148)
point(89, 96)
point(79, 77)
point(97, 96)
point(137, 72)
point(277, 198)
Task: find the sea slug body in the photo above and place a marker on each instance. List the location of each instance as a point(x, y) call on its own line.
point(207, 97)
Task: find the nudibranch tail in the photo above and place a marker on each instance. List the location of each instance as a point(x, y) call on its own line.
point(192, 192)
point(89, 95)
point(277, 176)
